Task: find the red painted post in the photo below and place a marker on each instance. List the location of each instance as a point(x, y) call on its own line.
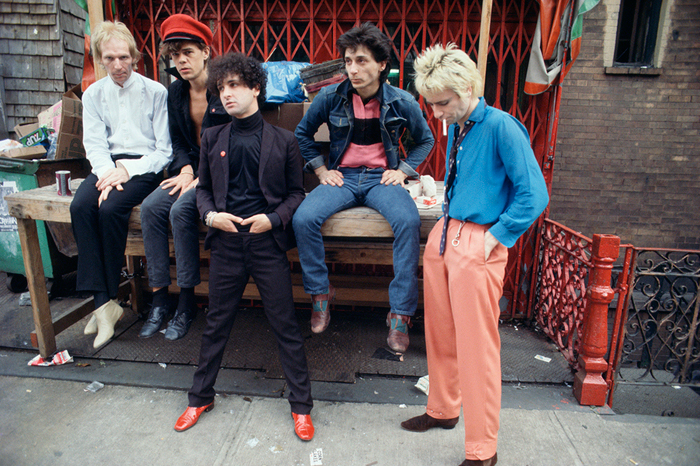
point(590, 388)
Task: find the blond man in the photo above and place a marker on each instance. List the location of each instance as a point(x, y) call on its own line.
point(494, 190)
point(126, 139)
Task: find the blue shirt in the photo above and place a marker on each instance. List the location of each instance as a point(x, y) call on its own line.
point(498, 180)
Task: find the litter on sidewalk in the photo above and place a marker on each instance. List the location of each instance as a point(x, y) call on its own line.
point(316, 457)
point(59, 358)
point(423, 384)
point(94, 387)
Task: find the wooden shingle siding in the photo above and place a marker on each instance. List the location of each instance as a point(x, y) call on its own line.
point(41, 55)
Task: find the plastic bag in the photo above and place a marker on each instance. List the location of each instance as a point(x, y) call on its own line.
point(51, 150)
point(284, 82)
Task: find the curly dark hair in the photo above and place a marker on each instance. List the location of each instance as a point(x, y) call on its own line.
point(371, 37)
point(248, 69)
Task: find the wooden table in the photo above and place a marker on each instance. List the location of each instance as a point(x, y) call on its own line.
point(358, 236)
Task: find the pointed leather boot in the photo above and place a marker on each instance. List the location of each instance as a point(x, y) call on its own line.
point(91, 326)
point(320, 310)
point(106, 315)
point(489, 462)
point(425, 422)
point(179, 325)
point(154, 321)
point(398, 331)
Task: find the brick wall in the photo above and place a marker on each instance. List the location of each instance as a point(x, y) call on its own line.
point(628, 146)
point(40, 55)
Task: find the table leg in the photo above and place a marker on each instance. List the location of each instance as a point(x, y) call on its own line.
point(34, 268)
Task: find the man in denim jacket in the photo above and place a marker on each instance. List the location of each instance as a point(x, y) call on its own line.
point(366, 118)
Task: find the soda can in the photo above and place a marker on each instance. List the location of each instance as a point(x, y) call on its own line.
point(63, 183)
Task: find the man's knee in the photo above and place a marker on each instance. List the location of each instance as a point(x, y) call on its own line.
point(408, 220)
point(149, 206)
point(304, 218)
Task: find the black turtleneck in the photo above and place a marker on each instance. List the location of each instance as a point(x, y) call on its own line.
point(244, 198)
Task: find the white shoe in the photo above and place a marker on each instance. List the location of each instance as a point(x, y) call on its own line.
point(91, 326)
point(106, 315)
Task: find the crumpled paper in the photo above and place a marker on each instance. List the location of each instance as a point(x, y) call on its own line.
point(59, 358)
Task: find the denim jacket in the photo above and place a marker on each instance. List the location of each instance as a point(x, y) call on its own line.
point(399, 111)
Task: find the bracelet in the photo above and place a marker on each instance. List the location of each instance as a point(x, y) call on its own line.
point(209, 219)
point(188, 173)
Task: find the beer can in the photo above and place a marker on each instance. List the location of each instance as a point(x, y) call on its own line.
point(63, 182)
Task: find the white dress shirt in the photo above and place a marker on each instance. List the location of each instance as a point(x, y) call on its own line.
point(127, 120)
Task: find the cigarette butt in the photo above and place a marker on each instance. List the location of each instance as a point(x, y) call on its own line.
point(444, 127)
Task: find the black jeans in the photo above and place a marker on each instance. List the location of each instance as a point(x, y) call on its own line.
point(234, 258)
point(100, 233)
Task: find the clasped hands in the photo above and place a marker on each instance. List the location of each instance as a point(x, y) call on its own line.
point(113, 178)
point(259, 223)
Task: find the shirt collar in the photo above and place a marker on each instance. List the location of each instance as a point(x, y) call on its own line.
point(478, 114)
point(379, 95)
point(128, 83)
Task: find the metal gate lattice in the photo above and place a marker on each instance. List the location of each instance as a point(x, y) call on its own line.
point(662, 332)
point(307, 30)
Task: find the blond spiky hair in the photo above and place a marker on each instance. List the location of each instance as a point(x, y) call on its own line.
point(439, 68)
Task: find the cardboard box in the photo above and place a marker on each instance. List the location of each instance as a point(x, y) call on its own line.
point(288, 116)
point(322, 134)
point(285, 116)
point(36, 137)
point(69, 125)
point(29, 153)
point(27, 128)
point(35, 152)
point(51, 118)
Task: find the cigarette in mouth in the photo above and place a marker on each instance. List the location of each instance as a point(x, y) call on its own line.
point(444, 127)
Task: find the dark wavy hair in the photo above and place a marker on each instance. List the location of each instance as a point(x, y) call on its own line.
point(371, 37)
point(248, 69)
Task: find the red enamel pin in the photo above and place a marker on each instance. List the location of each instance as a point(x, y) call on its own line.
point(223, 154)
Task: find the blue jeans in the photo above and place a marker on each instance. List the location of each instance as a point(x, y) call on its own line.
point(362, 187)
point(157, 211)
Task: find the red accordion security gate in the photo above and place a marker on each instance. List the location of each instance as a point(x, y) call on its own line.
point(306, 31)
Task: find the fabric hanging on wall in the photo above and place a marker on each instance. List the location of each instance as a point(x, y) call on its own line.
point(557, 42)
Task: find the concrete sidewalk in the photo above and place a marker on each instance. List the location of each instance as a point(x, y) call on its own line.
point(48, 418)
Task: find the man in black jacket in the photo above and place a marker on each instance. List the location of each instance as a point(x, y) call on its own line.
point(191, 109)
point(250, 184)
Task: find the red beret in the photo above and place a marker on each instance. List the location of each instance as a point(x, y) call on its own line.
point(184, 27)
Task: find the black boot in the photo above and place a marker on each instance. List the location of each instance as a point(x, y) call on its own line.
point(154, 321)
point(180, 324)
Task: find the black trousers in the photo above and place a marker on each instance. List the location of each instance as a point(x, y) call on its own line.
point(234, 258)
point(100, 233)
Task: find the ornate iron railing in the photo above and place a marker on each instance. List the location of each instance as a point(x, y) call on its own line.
point(641, 323)
point(662, 331)
point(561, 289)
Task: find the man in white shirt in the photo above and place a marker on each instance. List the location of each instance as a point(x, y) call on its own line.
point(126, 139)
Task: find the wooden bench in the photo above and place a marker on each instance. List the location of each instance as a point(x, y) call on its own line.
point(355, 236)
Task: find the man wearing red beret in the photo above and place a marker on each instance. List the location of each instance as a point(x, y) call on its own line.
point(191, 109)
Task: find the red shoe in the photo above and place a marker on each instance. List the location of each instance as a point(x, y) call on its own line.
point(303, 426)
point(191, 415)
